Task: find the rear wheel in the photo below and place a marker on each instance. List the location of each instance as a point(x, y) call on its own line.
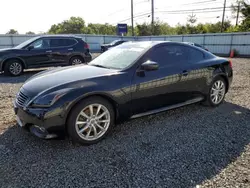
point(13, 68)
point(216, 93)
point(91, 120)
point(76, 60)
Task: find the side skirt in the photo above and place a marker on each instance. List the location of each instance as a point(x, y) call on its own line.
point(192, 101)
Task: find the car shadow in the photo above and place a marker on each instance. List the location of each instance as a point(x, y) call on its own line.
point(20, 79)
point(178, 148)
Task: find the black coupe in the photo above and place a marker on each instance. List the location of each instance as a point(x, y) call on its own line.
point(129, 81)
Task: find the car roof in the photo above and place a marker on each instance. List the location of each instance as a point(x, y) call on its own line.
point(153, 43)
point(61, 36)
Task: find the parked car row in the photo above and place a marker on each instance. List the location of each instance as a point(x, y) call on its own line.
point(51, 50)
point(130, 80)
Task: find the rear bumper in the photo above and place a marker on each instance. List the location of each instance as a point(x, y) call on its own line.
point(40, 122)
point(88, 57)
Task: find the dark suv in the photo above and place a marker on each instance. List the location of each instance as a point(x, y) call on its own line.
point(44, 51)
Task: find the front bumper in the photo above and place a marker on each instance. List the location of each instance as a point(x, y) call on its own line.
point(41, 122)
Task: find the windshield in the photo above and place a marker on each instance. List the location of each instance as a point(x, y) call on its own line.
point(114, 42)
point(25, 43)
point(121, 56)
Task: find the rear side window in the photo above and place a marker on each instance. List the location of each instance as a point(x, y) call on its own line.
point(195, 55)
point(62, 42)
point(169, 55)
point(70, 42)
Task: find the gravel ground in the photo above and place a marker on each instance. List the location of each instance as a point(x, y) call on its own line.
point(193, 146)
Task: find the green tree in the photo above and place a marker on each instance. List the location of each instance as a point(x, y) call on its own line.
point(144, 29)
point(192, 18)
point(74, 25)
point(180, 29)
point(30, 33)
point(104, 29)
point(245, 11)
point(12, 31)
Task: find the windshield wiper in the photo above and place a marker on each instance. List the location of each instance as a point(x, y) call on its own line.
point(96, 65)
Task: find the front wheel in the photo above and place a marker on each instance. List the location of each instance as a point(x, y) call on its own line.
point(13, 68)
point(216, 93)
point(90, 120)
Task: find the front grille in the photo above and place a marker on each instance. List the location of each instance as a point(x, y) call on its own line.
point(21, 99)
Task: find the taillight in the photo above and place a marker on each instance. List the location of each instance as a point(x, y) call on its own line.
point(86, 45)
point(230, 63)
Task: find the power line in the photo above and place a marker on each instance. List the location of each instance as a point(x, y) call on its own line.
point(121, 10)
point(179, 11)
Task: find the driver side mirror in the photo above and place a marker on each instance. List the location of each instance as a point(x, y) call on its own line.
point(30, 48)
point(149, 66)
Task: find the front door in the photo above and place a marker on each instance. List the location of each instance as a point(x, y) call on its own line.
point(162, 87)
point(39, 55)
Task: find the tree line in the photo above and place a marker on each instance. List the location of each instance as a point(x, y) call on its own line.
point(77, 25)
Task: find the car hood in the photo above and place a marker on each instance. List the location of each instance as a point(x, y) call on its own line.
point(60, 76)
point(5, 49)
point(106, 45)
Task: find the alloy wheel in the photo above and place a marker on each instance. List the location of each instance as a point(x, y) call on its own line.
point(92, 122)
point(15, 68)
point(76, 61)
point(217, 92)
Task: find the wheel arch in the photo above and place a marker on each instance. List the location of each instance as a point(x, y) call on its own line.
point(104, 96)
point(222, 75)
point(12, 58)
point(77, 55)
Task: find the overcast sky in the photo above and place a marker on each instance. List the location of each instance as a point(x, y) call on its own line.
point(39, 15)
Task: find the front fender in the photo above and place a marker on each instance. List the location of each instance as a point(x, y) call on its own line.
point(11, 56)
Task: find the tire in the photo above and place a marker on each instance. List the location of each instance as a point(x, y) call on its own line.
point(217, 88)
point(13, 67)
point(87, 132)
point(76, 60)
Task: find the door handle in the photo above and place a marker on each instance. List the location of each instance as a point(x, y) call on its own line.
point(70, 49)
point(184, 73)
point(49, 51)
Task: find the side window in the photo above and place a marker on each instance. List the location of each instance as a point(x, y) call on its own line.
point(195, 55)
point(62, 42)
point(70, 42)
point(55, 43)
point(169, 55)
point(41, 44)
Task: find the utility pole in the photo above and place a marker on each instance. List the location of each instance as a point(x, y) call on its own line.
point(223, 16)
point(132, 17)
point(152, 15)
point(238, 11)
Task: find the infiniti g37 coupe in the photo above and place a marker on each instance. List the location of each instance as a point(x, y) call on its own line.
point(44, 51)
point(129, 81)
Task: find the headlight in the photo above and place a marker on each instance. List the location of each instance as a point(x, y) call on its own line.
point(49, 99)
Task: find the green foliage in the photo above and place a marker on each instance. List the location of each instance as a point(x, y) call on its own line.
point(76, 25)
point(245, 11)
point(12, 31)
point(30, 33)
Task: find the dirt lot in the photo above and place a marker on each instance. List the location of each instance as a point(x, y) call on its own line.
point(186, 147)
